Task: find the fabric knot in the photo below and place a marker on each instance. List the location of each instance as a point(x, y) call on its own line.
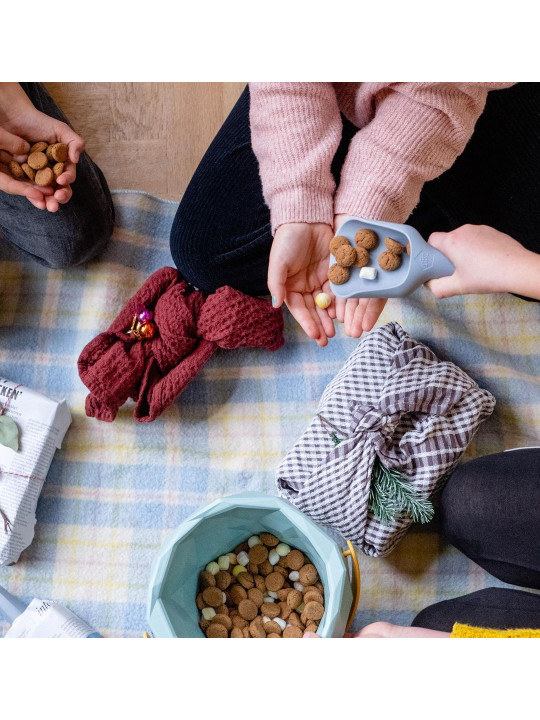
point(366, 418)
point(190, 327)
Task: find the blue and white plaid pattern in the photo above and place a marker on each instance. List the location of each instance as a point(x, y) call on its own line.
point(114, 492)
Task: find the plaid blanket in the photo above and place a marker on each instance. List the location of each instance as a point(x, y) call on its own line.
point(114, 492)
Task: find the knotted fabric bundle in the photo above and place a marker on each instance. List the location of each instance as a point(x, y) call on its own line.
point(394, 404)
point(190, 327)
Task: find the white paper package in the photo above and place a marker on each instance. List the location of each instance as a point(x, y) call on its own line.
point(42, 424)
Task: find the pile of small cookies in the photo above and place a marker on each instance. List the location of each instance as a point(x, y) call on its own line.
point(348, 256)
point(44, 163)
point(263, 589)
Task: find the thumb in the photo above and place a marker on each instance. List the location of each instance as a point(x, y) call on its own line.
point(277, 277)
point(13, 144)
point(444, 287)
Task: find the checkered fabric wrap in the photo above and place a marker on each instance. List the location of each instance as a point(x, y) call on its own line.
point(393, 399)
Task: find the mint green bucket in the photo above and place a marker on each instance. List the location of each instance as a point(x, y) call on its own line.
point(217, 529)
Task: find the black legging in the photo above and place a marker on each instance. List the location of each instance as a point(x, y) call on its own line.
point(221, 234)
point(490, 510)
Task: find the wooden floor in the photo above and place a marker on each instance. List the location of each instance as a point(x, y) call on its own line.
point(147, 136)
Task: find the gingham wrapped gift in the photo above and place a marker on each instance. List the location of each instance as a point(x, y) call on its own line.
point(388, 431)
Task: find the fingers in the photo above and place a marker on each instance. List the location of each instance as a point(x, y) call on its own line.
point(68, 136)
point(341, 304)
point(277, 277)
point(326, 320)
point(39, 204)
point(305, 314)
point(331, 309)
point(374, 308)
point(354, 327)
point(444, 287)
point(13, 144)
point(63, 195)
point(437, 239)
point(350, 307)
point(19, 187)
point(68, 176)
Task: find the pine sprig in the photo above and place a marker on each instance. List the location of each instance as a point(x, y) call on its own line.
point(392, 496)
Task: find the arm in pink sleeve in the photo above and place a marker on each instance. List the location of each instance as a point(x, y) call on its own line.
point(418, 131)
point(295, 131)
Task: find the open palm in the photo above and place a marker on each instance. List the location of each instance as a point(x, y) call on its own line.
point(297, 272)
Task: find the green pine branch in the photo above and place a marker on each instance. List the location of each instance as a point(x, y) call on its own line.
point(392, 496)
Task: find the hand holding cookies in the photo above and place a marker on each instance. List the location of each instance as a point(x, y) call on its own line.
point(21, 122)
point(297, 274)
point(358, 314)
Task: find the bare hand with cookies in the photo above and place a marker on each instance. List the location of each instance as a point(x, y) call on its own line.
point(38, 154)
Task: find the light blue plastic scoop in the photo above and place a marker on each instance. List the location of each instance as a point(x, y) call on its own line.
point(422, 264)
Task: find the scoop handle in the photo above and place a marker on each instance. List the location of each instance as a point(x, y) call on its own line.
point(433, 263)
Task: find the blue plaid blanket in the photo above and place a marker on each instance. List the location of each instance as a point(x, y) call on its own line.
point(114, 492)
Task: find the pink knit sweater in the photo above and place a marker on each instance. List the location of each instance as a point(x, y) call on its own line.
point(408, 133)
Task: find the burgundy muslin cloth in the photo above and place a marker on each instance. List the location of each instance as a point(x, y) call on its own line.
point(190, 327)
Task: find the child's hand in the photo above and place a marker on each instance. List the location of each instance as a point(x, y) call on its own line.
point(19, 121)
point(387, 630)
point(297, 272)
point(486, 261)
point(358, 314)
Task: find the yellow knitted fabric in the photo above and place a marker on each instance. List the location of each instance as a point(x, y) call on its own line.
point(468, 631)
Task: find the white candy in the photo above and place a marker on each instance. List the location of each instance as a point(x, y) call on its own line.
point(273, 557)
point(282, 624)
point(212, 567)
point(232, 558)
point(323, 300)
point(300, 608)
point(267, 598)
point(294, 575)
point(273, 594)
point(242, 558)
point(266, 619)
point(208, 613)
point(298, 586)
point(368, 273)
point(254, 540)
point(224, 598)
point(223, 562)
point(283, 549)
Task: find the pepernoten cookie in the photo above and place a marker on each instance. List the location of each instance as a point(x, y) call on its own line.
point(394, 246)
point(345, 255)
point(335, 242)
point(389, 260)
point(45, 163)
point(338, 275)
point(366, 239)
point(265, 589)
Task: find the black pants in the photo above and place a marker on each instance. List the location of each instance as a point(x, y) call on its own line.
point(490, 510)
point(79, 230)
point(221, 233)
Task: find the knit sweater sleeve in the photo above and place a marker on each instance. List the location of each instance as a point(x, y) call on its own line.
point(417, 132)
point(461, 630)
point(295, 131)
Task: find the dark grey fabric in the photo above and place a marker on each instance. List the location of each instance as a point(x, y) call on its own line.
point(79, 230)
point(490, 510)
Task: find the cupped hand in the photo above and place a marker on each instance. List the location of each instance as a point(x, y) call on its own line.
point(358, 314)
point(19, 120)
point(298, 271)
